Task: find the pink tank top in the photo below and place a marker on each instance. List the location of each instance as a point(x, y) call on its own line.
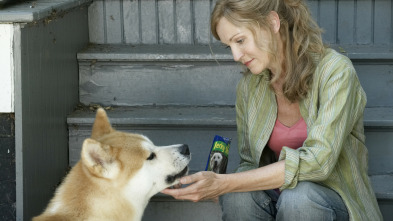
point(292, 137)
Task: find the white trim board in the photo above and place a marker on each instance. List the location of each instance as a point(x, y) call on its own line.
point(6, 69)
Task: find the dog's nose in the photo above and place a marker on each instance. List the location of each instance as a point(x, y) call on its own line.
point(185, 150)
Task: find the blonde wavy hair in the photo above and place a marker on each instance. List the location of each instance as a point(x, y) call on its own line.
point(299, 32)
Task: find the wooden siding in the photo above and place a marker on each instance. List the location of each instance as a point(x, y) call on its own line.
point(187, 21)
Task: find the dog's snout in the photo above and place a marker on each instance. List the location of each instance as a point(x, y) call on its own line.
point(185, 150)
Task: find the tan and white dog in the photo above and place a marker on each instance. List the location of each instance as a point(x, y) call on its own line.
point(117, 175)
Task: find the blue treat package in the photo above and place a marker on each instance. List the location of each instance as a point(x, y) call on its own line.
point(218, 157)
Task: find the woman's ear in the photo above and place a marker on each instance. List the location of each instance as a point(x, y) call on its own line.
point(275, 21)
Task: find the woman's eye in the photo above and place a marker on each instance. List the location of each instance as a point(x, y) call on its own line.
point(152, 156)
point(240, 41)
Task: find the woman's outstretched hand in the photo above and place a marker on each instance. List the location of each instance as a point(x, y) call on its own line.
point(203, 185)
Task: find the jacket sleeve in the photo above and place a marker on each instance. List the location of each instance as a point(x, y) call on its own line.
point(341, 102)
point(246, 161)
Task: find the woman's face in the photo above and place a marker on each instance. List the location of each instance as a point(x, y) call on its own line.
point(243, 46)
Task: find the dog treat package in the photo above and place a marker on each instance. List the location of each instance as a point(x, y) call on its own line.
point(218, 158)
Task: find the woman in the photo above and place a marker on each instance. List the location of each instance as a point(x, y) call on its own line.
point(300, 121)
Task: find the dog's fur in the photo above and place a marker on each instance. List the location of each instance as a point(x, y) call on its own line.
point(117, 175)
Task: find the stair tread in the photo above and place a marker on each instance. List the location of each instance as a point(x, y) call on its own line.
point(162, 115)
point(358, 52)
point(216, 52)
point(198, 115)
point(26, 11)
point(118, 52)
point(222, 116)
point(378, 116)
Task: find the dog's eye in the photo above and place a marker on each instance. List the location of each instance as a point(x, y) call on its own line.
point(152, 156)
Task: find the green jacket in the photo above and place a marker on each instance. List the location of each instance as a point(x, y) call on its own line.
point(334, 153)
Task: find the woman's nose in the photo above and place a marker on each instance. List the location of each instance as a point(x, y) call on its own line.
point(237, 54)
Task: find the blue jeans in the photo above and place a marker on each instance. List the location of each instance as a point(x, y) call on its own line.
point(307, 201)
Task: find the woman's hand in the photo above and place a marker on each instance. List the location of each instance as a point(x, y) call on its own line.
point(209, 185)
point(203, 185)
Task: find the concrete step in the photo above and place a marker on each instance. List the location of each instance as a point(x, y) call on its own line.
point(197, 126)
point(163, 207)
point(127, 75)
point(161, 74)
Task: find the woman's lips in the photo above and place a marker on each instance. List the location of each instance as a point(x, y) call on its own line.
point(248, 62)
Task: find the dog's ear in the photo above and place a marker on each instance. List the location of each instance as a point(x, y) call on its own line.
point(101, 125)
point(98, 158)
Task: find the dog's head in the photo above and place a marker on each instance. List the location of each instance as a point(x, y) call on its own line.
point(131, 161)
point(215, 161)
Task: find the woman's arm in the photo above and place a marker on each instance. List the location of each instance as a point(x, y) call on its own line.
point(264, 178)
point(209, 185)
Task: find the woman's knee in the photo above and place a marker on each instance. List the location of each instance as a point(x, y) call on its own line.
point(295, 199)
point(300, 193)
point(310, 200)
point(236, 204)
point(247, 206)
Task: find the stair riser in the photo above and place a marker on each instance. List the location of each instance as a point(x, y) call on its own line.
point(380, 150)
point(386, 208)
point(182, 210)
point(200, 140)
point(377, 82)
point(195, 83)
point(161, 83)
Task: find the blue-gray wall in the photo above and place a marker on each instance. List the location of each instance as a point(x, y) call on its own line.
point(46, 90)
